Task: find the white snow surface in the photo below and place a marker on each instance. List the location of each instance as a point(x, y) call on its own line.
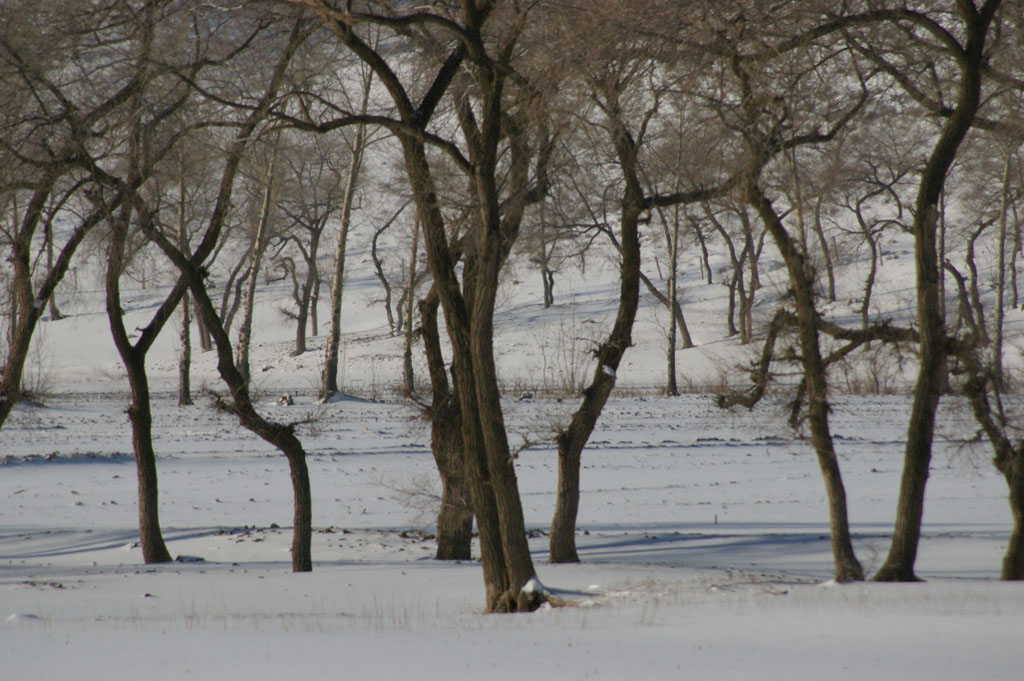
point(703, 533)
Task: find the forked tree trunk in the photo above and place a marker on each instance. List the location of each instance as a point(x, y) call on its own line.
point(490, 254)
point(547, 276)
point(133, 357)
point(981, 381)
point(505, 553)
point(468, 309)
point(455, 518)
point(1008, 459)
point(306, 298)
point(191, 271)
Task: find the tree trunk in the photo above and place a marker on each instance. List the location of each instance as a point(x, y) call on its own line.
point(497, 580)
point(671, 387)
point(825, 251)
point(677, 310)
point(562, 541)
point(1000, 312)
point(314, 303)
point(899, 564)
point(282, 436)
point(329, 382)
point(1013, 561)
point(1017, 245)
point(869, 281)
point(847, 567)
point(572, 440)
point(229, 303)
point(259, 245)
point(482, 286)
point(51, 303)
point(548, 278)
point(154, 550)
point(705, 257)
point(455, 518)
point(185, 331)
point(546, 274)
point(307, 304)
point(408, 377)
point(185, 355)
point(205, 338)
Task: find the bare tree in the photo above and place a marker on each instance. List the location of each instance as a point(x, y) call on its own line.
point(357, 147)
point(261, 239)
point(784, 109)
point(130, 197)
point(308, 199)
point(958, 49)
point(742, 291)
point(480, 43)
point(139, 139)
point(55, 123)
point(614, 76)
point(256, 109)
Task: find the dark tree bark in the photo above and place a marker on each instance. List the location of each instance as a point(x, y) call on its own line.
point(634, 205)
point(282, 436)
point(192, 272)
point(185, 330)
point(801, 277)
point(455, 518)
point(25, 314)
point(969, 56)
point(676, 310)
point(1009, 457)
point(133, 357)
point(185, 354)
point(572, 439)
point(507, 564)
point(378, 266)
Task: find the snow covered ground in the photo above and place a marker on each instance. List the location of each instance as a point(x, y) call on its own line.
point(703, 532)
point(703, 536)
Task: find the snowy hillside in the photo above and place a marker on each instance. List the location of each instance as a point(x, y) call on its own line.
point(703, 532)
point(829, 193)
